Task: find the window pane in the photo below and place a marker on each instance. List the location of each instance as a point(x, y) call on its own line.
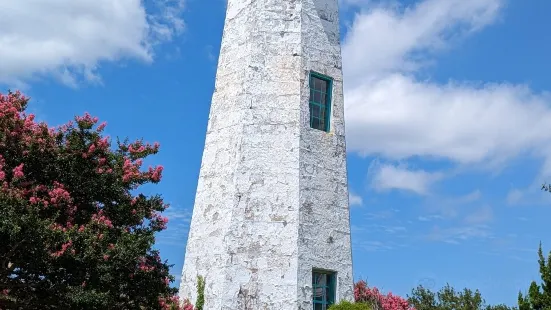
point(315, 111)
point(318, 307)
point(317, 84)
point(320, 84)
point(316, 123)
point(321, 279)
point(322, 124)
point(329, 294)
point(320, 294)
point(319, 93)
point(317, 97)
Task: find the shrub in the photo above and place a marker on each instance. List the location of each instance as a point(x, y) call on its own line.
point(200, 293)
point(346, 305)
point(378, 301)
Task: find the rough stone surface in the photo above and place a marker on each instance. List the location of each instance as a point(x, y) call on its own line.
point(272, 195)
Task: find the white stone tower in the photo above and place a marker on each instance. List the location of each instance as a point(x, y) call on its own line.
point(270, 227)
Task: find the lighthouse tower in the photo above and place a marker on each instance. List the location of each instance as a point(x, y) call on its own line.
point(270, 228)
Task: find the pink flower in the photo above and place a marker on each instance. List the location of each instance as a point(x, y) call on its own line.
point(135, 150)
point(131, 170)
point(101, 126)
point(187, 305)
point(105, 257)
point(18, 172)
point(103, 143)
point(86, 120)
point(64, 248)
point(363, 293)
point(156, 173)
point(102, 219)
point(59, 194)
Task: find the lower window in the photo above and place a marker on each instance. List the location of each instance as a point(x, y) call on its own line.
point(323, 286)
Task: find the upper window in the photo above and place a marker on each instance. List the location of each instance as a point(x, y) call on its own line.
point(320, 101)
point(323, 285)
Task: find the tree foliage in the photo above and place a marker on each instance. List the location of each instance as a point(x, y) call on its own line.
point(447, 298)
point(539, 296)
point(74, 231)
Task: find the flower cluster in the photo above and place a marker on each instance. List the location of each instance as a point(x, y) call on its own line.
point(64, 248)
point(173, 303)
point(71, 198)
point(101, 219)
point(378, 301)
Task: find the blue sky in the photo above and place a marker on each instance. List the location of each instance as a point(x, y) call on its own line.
point(447, 110)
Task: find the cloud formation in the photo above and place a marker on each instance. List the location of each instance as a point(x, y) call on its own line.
point(388, 177)
point(393, 114)
point(69, 39)
point(354, 199)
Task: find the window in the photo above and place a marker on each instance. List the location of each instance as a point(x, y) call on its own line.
point(323, 287)
point(320, 101)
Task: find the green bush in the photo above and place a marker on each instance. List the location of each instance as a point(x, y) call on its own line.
point(200, 293)
point(346, 305)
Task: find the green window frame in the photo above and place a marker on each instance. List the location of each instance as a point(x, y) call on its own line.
point(320, 101)
point(323, 289)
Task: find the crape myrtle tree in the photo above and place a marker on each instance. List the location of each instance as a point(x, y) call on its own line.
point(376, 300)
point(74, 231)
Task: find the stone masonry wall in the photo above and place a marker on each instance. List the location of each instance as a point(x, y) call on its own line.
point(324, 220)
point(260, 210)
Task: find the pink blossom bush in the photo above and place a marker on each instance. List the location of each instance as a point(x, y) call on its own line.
point(377, 300)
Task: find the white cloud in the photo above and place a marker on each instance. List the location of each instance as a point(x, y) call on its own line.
point(178, 225)
point(446, 208)
point(375, 246)
point(470, 197)
point(69, 39)
point(514, 196)
point(393, 114)
point(355, 200)
point(385, 38)
point(381, 215)
point(456, 235)
point(429, 218)
point(389, 177)
point(480, 216)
